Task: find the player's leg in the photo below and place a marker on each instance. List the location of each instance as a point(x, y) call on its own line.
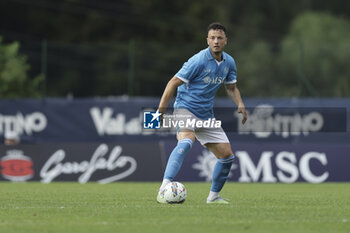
point(186, 139)
point(215, 139)
point(222, 168)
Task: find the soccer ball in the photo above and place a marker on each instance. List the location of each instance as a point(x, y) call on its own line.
point(175, 193)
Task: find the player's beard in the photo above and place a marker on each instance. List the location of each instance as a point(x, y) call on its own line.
point(218, 53)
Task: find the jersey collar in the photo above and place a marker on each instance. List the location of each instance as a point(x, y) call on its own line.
point(210, 56)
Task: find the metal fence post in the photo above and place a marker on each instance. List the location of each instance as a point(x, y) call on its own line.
point(44, 65)
point(131, 72)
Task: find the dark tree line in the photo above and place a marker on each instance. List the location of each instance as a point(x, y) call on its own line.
point(130, 47)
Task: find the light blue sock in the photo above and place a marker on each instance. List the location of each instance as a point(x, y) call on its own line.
point(221, 170)
point(176, 158)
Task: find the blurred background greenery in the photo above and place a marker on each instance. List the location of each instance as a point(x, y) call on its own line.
point(51, 48)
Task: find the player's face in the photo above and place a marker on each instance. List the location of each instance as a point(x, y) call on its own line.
point(216, 40)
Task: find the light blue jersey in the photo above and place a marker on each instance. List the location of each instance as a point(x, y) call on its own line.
point(203, 76)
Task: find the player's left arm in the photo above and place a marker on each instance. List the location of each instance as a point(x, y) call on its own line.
point(235, 95)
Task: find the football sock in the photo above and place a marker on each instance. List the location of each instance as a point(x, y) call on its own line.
point(221, 170)
point(176, 158)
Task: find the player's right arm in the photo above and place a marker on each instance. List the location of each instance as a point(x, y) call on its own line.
point(169, 92)
point(188, 71)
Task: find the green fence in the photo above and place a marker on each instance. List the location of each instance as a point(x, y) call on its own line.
point(142, 68)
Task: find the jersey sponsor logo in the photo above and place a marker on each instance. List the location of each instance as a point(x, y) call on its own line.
point(207, 79)
point(15, 166)
point(216, 80)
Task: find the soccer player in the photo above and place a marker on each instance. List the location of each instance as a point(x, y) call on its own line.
point(197, 83)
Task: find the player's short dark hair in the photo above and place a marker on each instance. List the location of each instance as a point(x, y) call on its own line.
point(216, 26)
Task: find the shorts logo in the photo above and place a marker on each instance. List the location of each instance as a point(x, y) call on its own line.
point(16, 166)
point(151, 120)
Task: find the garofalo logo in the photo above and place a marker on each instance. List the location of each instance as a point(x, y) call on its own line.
point(101, 159)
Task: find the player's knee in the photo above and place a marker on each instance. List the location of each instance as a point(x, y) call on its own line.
point(186, 134)
point(225, 153)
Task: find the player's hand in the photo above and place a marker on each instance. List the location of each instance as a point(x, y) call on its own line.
point(241, 109)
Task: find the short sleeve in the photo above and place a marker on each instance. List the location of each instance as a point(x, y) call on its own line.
point(232, 75)
point(189, 70)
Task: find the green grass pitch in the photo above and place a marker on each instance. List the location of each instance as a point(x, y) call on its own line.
point(131, 207)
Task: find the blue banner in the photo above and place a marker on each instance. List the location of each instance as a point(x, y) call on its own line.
point(121, 120)
point(105, 163)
